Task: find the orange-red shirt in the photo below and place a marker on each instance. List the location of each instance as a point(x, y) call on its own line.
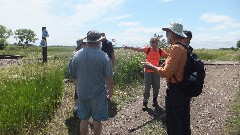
point(153, 57)
point(174, 64)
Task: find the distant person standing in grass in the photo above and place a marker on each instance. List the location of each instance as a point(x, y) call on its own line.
point(187, 40)
point(151, 79)
point(92, 70)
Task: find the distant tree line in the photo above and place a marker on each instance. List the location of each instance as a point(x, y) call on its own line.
point(27, 36)
point(22, 36)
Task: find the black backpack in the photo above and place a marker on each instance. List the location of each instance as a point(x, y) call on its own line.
point(193, 76)
point(160, 51)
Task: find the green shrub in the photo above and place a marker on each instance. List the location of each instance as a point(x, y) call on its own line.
point(128, 67)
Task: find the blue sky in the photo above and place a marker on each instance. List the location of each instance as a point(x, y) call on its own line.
point(214, 23)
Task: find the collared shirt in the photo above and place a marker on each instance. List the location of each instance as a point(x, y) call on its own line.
point(90, 68)
point(174, 64)
point(107, 47)
point(153, 57)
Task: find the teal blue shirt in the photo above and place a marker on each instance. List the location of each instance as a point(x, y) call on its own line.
point(90, 67)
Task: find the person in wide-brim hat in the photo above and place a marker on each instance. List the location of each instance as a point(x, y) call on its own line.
point(92, 70)
point(177, 104)
point(176, 28)
point(93, 36)
point(81, 43)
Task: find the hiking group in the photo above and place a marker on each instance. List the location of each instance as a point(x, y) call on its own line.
point(92, 68)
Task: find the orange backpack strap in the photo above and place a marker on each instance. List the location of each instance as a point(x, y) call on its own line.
point(149, 48)
point(160, 51)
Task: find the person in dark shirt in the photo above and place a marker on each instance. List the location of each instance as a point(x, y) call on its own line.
point(107, 47)
point(187, 40)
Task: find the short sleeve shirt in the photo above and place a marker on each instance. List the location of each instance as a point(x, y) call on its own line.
point(90, 68)
point(153, 57)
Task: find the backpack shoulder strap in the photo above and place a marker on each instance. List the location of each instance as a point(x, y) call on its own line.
point(149, 48)
point(160, 51)
point(184, 46)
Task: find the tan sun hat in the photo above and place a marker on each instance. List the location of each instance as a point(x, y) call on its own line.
point(94, 36)
point(80, 41)
point(176, 28)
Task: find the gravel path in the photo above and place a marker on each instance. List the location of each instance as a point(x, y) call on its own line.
point(208, 111)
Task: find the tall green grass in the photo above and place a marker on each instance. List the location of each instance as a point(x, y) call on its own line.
point(233, 122)
point(29, 95)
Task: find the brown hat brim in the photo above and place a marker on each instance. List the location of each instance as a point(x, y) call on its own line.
point(166, 29)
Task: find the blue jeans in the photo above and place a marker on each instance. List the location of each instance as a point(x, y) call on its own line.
point(177, 111)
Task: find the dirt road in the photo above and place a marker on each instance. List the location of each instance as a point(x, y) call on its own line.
point(208, 111)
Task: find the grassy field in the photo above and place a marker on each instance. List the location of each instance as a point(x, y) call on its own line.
point(233, 122)
point(214, 54)
point(30, 92)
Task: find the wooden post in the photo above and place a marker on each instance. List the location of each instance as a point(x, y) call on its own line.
point(44, 49)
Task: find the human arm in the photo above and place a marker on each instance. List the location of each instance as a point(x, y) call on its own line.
point(163, 53)
point(72, 69)
point(109, 86)
point(113, 61)
point(109, 77)
point(172, 63)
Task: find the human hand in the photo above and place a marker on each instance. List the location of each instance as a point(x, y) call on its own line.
point(147, 65)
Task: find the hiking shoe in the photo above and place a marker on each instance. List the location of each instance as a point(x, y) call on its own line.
point(144, 108)
point(155, 103)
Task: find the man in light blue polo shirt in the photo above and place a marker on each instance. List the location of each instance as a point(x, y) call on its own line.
point(92, 70)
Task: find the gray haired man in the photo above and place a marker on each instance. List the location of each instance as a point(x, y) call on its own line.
point(92, 69)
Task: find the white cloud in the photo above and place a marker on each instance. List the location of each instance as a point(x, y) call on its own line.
point(220, 27)
point(63, 25)
point(224, 21)
point(209, 40)
point(116, 18)
point(129, 24)
point(164, 1)
point(214, 18)
point(122, 17)
point(144, 30)
point(138, 36)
